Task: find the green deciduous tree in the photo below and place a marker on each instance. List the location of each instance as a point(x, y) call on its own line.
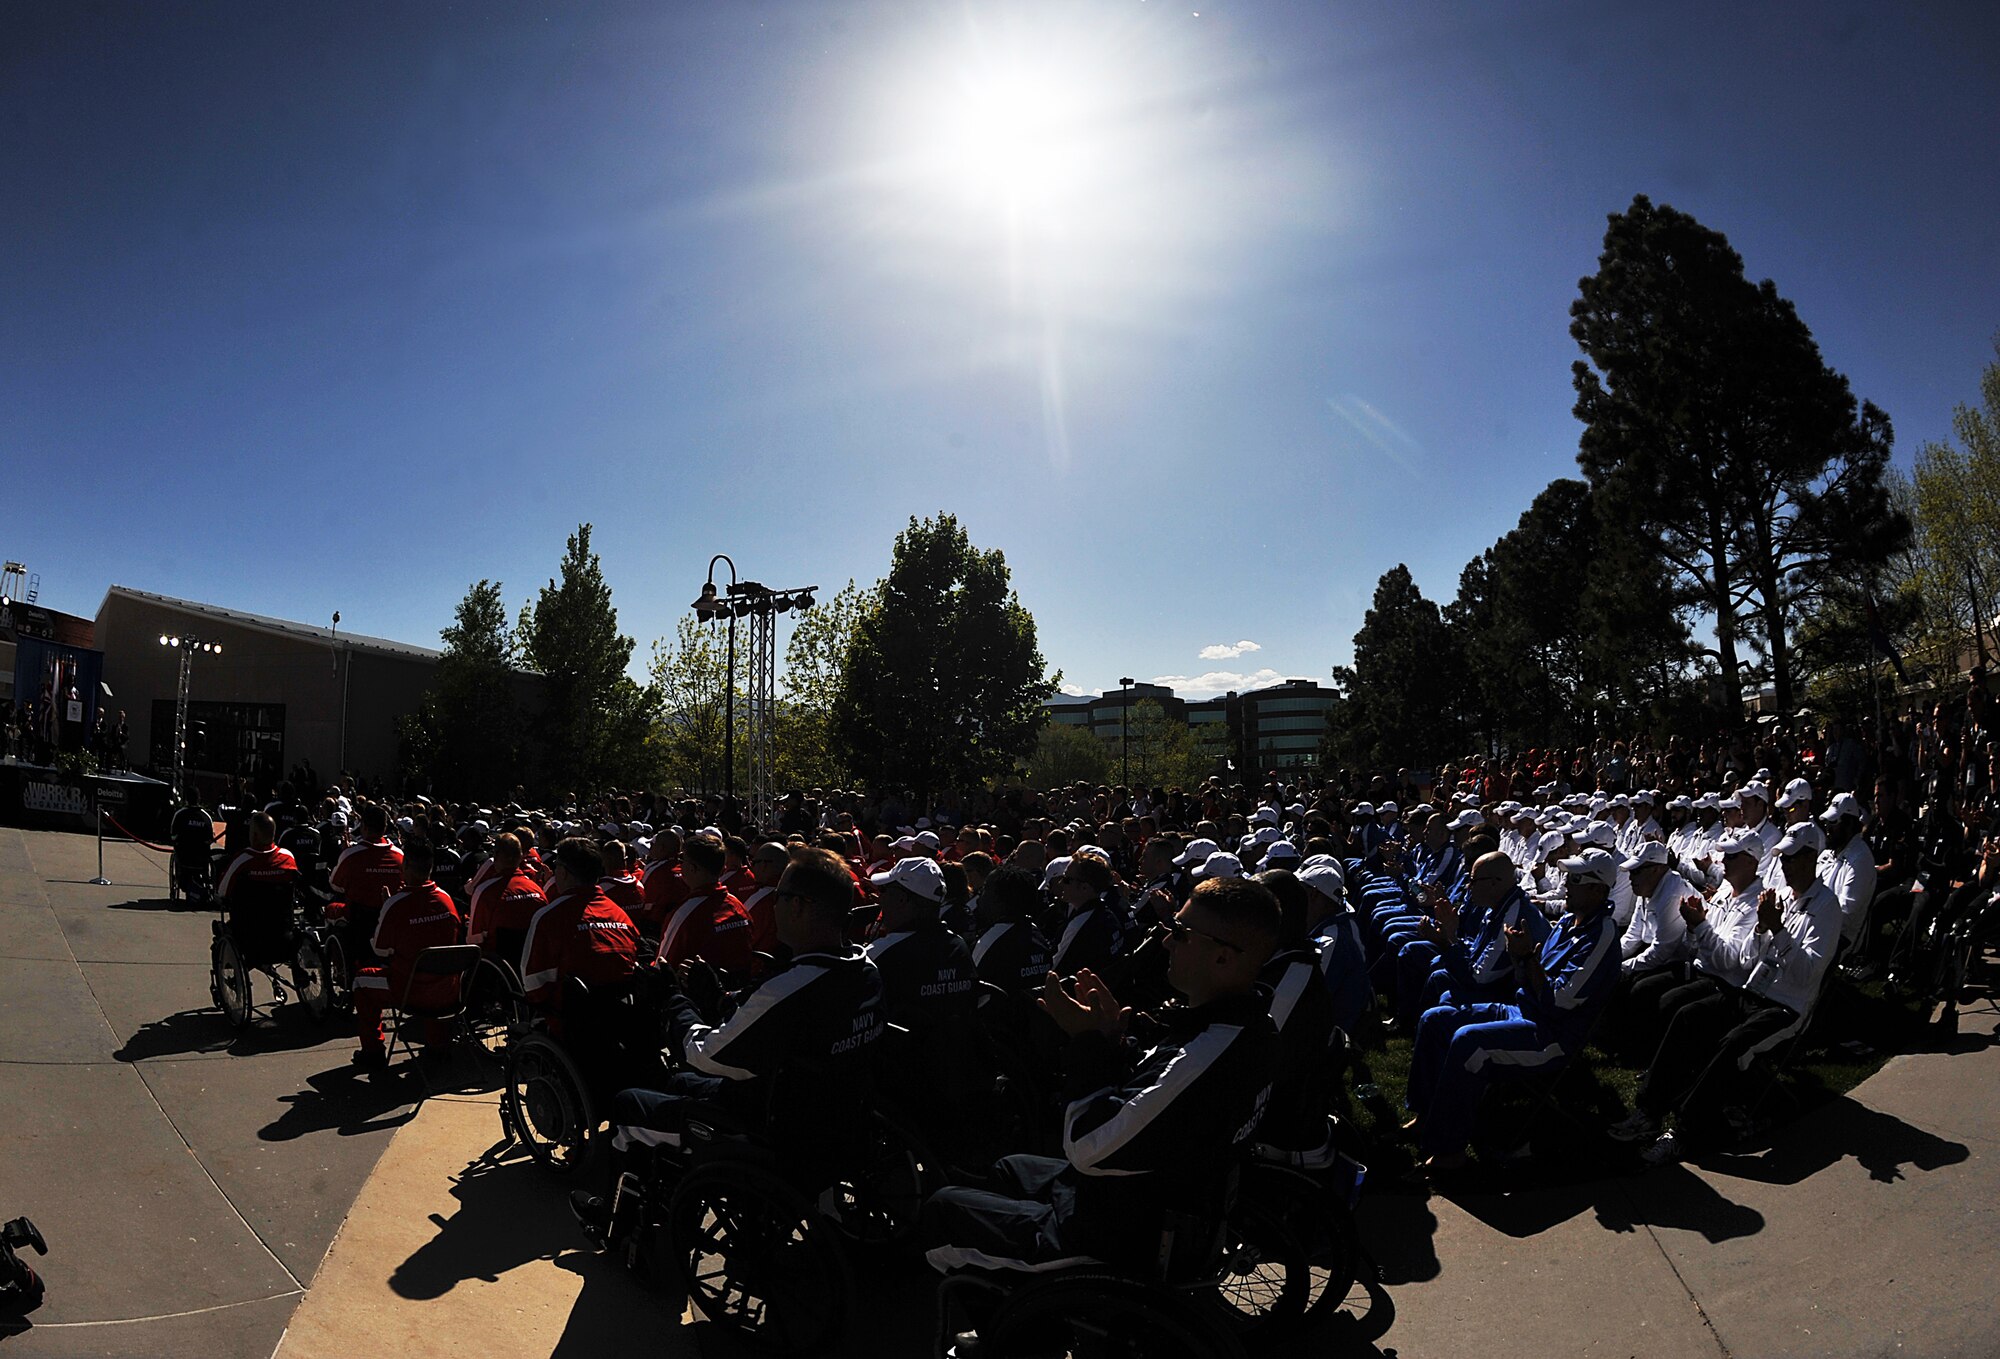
point(1954, 498)
point(943, 684)
point(804, 752)
point(1709, 412)
point(596, 722)
point(1064, 753)
point(464, 739)
point(1568, 625)
point(1401, 702)
point(690, 673)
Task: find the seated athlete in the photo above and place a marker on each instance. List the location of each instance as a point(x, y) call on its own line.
point(1559, 989)
point(927, 972)
point(1302, 1012)
point(618, 883)
point(581, 933)
point(710, 923)
point(1147, 1127)
point(259, 887)
point(1094, 927)
point(790, 1055)
point(1010, 951)
point(367, 873)
point(503, 903)
point(1709, 1041)
point(420, 916)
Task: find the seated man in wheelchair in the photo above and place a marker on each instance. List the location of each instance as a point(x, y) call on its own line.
point(1149, 1129)
point(367, 873)
point(193, 834)
point(503, 903)
point(580, 933)
point(258, 891)
point(420, 916)
point(790, 1059)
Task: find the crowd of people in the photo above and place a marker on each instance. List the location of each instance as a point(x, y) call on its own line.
point(1194, 960)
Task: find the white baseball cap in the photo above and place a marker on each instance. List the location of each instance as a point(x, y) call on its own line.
point(1652, 852)
point(1325, 878)
point(1800, 838)
point(1844, 804)
point(1219, 865)
point(1797, 791)
point(1196, 852)
point(1596, 864)
point(915, 874)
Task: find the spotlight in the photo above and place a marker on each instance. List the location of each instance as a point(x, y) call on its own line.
point(163, 639)
point(173, 641)
point(804, 601)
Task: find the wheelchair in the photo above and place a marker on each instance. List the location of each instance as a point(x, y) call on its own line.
point(237, 953)
point(191, 863)
point(1189, 1304)
point(763, 1233)
point(555, 1090)
point(1303, 1203)
point(1935, 963)
point(320, 963)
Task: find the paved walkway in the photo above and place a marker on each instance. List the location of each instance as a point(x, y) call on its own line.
point(191, 1188)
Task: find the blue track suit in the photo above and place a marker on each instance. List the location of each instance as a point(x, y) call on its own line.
point(1460, 1049)
point(1479, 968)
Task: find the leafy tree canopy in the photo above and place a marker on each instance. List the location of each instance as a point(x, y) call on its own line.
point(943, 683)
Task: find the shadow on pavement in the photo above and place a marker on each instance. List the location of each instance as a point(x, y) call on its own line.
point(1673, 1196)
point(510, 1214)
point(1881, 1142)
point(601, 1321)
point(1400, 1231)
point(348, 1103)
point(287, 1029)
point(154, 904)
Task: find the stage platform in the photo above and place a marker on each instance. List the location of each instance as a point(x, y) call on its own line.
point(42, 797)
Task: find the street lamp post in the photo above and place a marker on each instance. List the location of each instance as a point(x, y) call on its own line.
point(761, 605)
point(1125, 729)
point(707, 608)
point(186, 646)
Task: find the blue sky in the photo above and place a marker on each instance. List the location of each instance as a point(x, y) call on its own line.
point(1205, 314)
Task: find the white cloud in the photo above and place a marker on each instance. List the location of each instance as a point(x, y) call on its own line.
point(1219, 681)
point(1222, 651)
point(1078, 691)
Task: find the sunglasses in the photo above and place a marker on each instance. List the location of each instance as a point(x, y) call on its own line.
point(1178, 930)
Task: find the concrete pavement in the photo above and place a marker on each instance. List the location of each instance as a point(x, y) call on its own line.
point(189, 1180)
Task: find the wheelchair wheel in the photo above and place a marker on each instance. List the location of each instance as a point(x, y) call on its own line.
point(493, 997)
point(1265, 1281)
point(544, 1105)
point(229, 981)
point(1091, 1315)
point(877, 1204)
point(312, 977)
point(756, 1257)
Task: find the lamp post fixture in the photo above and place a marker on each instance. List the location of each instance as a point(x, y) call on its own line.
point(186, 646)
point(761, 605)
point(1125, 729)
point(708, 608)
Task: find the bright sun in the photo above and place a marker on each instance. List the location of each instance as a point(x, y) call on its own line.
point(1015, 134)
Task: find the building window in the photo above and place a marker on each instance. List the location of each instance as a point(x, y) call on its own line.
point(246, 739)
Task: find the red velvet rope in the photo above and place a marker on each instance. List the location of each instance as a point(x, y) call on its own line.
point(163, 849)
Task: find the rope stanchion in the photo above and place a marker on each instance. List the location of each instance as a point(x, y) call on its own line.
point(163, 849)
